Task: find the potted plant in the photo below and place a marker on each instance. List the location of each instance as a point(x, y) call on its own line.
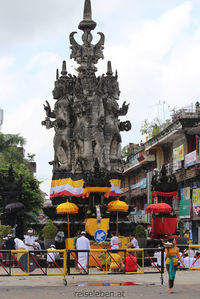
point(141, 236)
point(49, 232)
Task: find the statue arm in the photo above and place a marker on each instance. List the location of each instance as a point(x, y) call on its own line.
point(48, 111)
point(124, 109)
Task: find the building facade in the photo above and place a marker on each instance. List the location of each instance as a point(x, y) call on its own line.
point(177, 147)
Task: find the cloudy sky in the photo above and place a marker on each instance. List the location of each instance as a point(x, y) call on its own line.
point(154, 45)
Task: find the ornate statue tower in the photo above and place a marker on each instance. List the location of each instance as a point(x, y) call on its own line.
point(87, 141)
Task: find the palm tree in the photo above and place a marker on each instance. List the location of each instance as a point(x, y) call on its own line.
point(8, 149)
point(10, 140)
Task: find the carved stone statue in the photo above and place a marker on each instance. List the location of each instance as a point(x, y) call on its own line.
point(86, 112)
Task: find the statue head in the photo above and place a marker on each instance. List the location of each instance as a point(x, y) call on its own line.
point(59, 91)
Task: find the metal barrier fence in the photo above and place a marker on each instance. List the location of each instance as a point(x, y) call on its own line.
point(33, 263)
point(90, 262)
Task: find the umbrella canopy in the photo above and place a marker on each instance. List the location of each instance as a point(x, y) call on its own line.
point(67, 208)
point(159, 208)
point(13, 207)
point(117, 206)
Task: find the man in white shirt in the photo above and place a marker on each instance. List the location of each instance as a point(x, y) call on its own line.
point(134, 241)
point(82, 243)
point(30, 241)
point(114, 241)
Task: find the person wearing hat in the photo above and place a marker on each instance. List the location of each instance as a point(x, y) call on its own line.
point(51, 256)
point(172, 256)
point(82, 243)
point(30, 240)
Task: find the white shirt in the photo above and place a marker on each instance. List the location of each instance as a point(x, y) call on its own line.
point(186, 262)
point(114, 241)
point(51, 256)
point(157, 255)
point(83, 243)
point(135, 242)
point(19, 244)
point(29, 240)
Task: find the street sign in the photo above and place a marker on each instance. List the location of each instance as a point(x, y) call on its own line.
point(100, 235)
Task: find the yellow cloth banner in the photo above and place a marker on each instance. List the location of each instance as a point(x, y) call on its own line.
point(91, 225)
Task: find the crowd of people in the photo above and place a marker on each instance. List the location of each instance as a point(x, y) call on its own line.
point(29, 243)
point(111, 259)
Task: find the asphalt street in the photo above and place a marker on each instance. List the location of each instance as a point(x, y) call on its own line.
point(187, 285)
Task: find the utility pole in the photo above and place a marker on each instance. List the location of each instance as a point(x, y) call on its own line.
point(1, 118)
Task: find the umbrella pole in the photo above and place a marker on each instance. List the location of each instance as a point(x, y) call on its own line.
point(117, 224)
point(68, 232)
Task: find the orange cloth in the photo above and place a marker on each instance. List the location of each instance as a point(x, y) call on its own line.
point(174, 251)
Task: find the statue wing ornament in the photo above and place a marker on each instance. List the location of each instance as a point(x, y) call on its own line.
point(99, 46)
point(76, 48)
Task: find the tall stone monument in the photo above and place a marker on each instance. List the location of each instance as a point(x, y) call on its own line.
point(85, 117)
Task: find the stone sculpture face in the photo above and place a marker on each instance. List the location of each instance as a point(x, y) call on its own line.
point(86, 112)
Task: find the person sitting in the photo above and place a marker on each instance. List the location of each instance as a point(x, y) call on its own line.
point(103, 256)
point(134, 241)
point(51, 256)
point(115, 261)
point(196, 260)
point(19, 245)
point(157, 255)
point(130, 262)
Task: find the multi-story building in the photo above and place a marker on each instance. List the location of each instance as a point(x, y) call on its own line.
point(177, 146)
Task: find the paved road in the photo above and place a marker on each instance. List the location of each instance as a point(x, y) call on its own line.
point(146, 286)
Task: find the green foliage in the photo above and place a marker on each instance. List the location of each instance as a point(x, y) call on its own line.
point(8, 140)
point(154, 127)
point(10, 154)
point(49, 230)
point(130, 149)
point(140, 231)
point(4, 230)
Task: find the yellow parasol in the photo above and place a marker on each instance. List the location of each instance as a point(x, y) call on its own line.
point(117, 206)
point(67, 208)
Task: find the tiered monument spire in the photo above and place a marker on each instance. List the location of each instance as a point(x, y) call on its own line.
point(86, 113)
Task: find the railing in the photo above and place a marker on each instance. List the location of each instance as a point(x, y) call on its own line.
point(88, 262)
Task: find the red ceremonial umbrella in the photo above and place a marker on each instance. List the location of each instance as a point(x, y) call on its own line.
point(159, 208)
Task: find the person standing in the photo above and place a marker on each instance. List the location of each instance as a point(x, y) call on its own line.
point(30, 241)
point(134, 241)
point(172, 256)
point(9, 245)
point(114, 241)
point(82, 243)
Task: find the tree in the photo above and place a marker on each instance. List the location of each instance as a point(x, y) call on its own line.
point(10, 154)
point(10, 140)
point(154, 127)
point(129, 149)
